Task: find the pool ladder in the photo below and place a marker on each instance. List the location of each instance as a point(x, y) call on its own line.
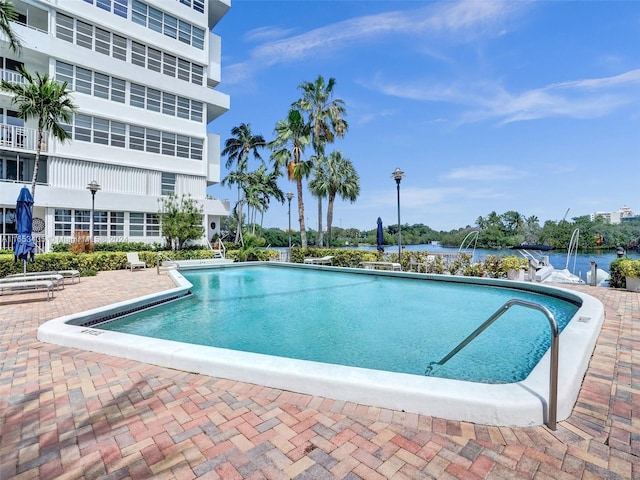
point(553, 374)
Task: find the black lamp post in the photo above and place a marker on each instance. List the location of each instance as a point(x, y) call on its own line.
point(93, 187)
point(398, 175)
point(289, 197)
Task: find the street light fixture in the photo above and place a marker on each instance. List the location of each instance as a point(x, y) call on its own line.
point(289, 197)
point(398, 175)
point(93, 187)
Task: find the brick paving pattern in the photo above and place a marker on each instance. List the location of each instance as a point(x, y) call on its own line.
point(67, 413)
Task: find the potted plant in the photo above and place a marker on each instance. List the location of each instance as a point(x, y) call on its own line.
point(630, 270)
point(514, 267)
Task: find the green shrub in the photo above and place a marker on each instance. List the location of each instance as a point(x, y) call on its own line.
point(621, 268)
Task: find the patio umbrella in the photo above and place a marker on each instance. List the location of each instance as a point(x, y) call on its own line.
point(24, 247)
point(380, 236)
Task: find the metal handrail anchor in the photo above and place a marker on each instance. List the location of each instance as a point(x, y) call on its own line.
point(555, 338)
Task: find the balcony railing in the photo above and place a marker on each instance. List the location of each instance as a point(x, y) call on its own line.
point(8, 239)
point(11, 76)
point(22, 138)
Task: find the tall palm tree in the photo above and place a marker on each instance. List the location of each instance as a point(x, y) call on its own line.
point(8, 14)
point(326, 118)
point(261, 187)
point(237, 149)
point(238, 178)
point(46, 100)
point(292, 136)
point(336, 176)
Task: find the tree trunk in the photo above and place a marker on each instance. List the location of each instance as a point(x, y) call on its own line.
point(303, 231)
point(330, 204)
point(35, 165)
point(238, 240)
point(320, 233)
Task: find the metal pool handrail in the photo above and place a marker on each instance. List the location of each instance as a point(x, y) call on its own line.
point(159, 261)
point(555, 337)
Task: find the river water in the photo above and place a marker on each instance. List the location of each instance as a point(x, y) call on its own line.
point(578, 264)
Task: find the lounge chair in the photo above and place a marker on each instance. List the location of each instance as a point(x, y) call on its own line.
point(133, 261)
point(72, 274)
point(56, 279)
point(7, 288)
point(326, 260)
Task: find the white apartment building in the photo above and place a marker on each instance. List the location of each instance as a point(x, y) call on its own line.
point(143, 75)
point(615, 217)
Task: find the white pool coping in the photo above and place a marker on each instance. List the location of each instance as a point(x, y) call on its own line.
point(516, 404)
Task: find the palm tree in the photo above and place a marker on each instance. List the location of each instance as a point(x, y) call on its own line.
point(46, 100)
point(292, 136)
point(237, 177)
point(237, 150)
point(261, 186)
point(336, 176)
point(8, 14)
point(326, 119)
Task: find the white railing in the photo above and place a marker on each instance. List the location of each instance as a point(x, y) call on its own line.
point(22, 138)
point(8, 239)
point(12, 76)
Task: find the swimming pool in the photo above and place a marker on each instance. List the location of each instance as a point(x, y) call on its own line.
point(520, 403)
point(394, 324)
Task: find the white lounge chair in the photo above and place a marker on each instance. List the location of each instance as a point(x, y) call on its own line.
point(8, 288)
point(133, 261)
point(56, 279)
point(326, 260)
point(72, 274)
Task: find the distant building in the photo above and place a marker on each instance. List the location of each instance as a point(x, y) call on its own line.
point(616, 217)
point(143, 74)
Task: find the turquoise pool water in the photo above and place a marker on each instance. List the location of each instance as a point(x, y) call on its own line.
point(355, 319)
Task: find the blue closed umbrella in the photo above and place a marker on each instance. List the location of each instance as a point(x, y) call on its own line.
point(24, 248)
point(380, 236)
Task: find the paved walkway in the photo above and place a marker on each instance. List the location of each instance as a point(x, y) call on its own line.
point(67, 413)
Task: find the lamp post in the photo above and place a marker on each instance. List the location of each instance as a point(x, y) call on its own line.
point(398, 175)
point(93, 187)
point(289, 197)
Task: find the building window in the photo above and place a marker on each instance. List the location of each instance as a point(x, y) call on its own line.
point(81, 220)
point(153, 225)
point(118, 90)
point(84, 35)
point(136, 138)
point(169, 143)
point(153, 99)
point(168, 186)
point(144, 224)
point(118, 7)
point(107, 43)
point(62, 222)
point(136, 224)
point(116, 224)
point(103, 41)
point(100, 223)
point(161, 22)
point(118, 134)
point(109, 132)
point(64, 27)
point(64, 73)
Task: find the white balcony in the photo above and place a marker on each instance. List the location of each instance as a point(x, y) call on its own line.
point(20, 138)
point(11, 76)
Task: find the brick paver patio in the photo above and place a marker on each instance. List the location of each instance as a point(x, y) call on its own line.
point(67, 413)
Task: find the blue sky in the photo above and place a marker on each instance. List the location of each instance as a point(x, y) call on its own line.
point(485, 105)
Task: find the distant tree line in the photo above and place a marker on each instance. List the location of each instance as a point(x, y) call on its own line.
point(495, 231)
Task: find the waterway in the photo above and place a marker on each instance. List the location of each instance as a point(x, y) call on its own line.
point(578, 264)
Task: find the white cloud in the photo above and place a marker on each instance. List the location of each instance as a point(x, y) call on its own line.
point(467, 19)
point(370, 117)
point(582, 99)
point(263, 34)
point(484, 173)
